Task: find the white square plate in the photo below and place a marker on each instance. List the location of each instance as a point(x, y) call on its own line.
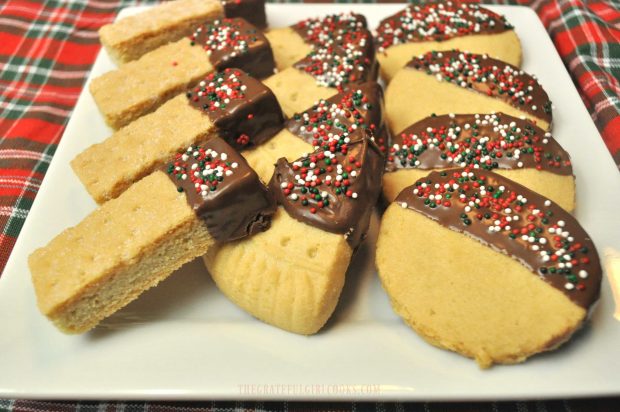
point(184, 340)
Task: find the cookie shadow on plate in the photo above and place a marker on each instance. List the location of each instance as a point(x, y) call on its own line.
point(169, 300)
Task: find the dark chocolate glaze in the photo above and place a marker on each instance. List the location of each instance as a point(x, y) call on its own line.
point(473, 71)
point(250, 10)
point(238, 206)
point(342, 64)
point(316, 30)
point(342, 50)
point(346, 114)
point(235, 43)
point(491, 141)
point(572, 265)
point(252, 114)
point(437, 21)
point(340, 206)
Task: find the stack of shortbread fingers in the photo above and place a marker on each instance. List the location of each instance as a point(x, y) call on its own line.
point(266, 153)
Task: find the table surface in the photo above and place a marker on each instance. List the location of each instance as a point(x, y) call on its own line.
point(48, 47)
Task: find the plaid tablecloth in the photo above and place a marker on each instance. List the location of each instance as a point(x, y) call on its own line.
point(47, 48)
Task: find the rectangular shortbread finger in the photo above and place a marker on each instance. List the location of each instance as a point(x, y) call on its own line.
point(130, 38)
point(141, 86)
point(202, 195)
point(121, 249)
point(108, 168)
point(230, 104)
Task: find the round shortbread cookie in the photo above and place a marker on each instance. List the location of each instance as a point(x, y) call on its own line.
point(509, 146)
point(497, 279)
point(418, 29)
point(461, 82)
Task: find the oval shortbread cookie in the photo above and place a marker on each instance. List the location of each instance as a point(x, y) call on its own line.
point(293, 43)
point(461, 82)
point(229, 104)
point(512, 147)
point(443, 26)
point(291, 276)
point(340, 55)
point(480, 265)
point(345, 117)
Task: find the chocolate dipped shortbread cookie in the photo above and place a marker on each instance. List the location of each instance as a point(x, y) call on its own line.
point(461, 82)
point(291, 276)
point(480, 265)
point(204, 195)
point(421, 28)
point(338, 54)
point(140, 87)
point(344, 117)
point(509, 146)
point(230, 104)
point(132, 37)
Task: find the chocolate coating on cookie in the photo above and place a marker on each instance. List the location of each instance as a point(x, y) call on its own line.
point(515, 221)
point(437, 21)
point(334, 190)
point(250, 10)
point(488, 76)
point(244, 110)
point(329, 29)
point(222, 189)
point(346, 115)
point(486, 141)
point(235, 43)
point(342, 50)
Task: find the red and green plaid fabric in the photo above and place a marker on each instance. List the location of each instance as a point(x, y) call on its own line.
point(47, 48)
